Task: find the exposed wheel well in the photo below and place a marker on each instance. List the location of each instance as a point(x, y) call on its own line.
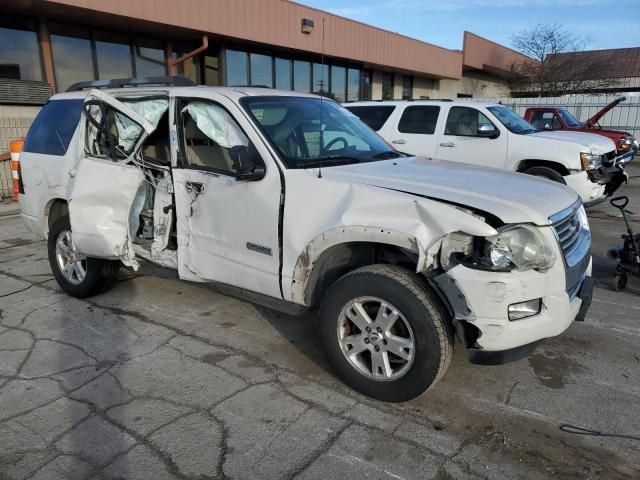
point(343, 258)
point(527, 164)
point(55, 209)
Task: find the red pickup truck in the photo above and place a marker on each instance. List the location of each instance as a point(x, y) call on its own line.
point(557, 118)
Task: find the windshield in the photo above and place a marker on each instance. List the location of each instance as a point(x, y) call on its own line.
point(303, 139)
point(569, 119)
point(514, 122)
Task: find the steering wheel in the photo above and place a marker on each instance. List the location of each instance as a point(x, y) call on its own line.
point(333, 142)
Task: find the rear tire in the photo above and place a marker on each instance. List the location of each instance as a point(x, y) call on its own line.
point(76, 274)
point(545, 172)
point(619, 281)
point(398, 313)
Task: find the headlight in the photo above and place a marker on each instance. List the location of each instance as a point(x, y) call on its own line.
point(522, 248)
point(589, 161)
point(519, 247)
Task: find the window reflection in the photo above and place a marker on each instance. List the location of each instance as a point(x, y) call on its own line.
point(72, 58)
point(261, 70)
point(190, 68)
point(387, 86)
point(211, 71)
point(320, 78)
point(236, 68)
point(19, 51)
point(353, 85)
point(114, 56)
point(301, 76)
point(338, 83)
point(150, 59)
point(283, 74)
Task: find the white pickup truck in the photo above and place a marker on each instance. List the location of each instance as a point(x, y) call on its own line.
point(493, 135)
point(292, 202)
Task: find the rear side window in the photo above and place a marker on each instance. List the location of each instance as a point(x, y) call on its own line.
point(419, 119)
point(374, 116)
point(53, 128)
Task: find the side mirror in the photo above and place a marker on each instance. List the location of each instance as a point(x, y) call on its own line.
point(547, 126)
point(247, 163)
point(488, 130)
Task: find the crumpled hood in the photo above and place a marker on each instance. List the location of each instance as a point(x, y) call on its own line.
point(512, 197)
point(598, 144)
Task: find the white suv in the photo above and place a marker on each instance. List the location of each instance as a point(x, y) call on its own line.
point(494, 136)
point(294, 203)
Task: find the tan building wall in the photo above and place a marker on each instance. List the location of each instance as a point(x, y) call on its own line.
point(425, 88)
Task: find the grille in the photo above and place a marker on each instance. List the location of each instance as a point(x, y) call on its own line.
point(569, 231)
point(609, 156)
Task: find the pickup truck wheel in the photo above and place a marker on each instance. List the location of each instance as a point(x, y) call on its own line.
point(545, 172)
point(78, 275)
point(384, 332)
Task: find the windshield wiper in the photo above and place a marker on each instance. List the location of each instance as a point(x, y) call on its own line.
point(331, 160)
point(387, 154)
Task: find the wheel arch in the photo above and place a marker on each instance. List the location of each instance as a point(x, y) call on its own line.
point(334, 254)
point(523, 165)
point(55, 208)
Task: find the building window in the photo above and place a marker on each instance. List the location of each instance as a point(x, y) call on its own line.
point(353, 85)
point(339, 83)
point(407, 87)
point(387, 86)
point(211, 71)
point(261, 70)
point(19, 50)
point(150, 58)
point(320, 79)
point(190, 68)
point(301, 76)
point(113, 53)
point(237, 74)
point(365, 85)
point(72, 57)
point(283, 74)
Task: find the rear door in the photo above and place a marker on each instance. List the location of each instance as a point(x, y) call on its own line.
point(105, 180)
point(461, 139)
point(414, 130)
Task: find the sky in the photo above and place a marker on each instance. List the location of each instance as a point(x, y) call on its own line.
point(601, 23)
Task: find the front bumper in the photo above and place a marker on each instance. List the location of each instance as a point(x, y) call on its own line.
point(624, 159)
point(480, 299)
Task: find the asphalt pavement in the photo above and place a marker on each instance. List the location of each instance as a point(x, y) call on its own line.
point(164, 379)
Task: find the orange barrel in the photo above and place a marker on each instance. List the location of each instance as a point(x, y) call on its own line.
point(15, 146)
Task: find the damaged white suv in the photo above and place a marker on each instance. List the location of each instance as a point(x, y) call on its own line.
point(292, 201)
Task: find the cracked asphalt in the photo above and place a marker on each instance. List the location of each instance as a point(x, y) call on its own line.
point(163, 379)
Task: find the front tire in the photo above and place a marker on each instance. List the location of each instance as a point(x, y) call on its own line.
point(545, 172)
point(76, 274)
point(384, 332)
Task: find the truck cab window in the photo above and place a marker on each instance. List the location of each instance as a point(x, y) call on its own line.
point(541, 119)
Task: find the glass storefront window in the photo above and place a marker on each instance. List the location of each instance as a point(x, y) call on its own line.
point(114, 56)
point(211, 71)
point(150, 59)
point(19, 50)
point(190, 68)
point(261, 70)
point(407, 87)
point(365, 85)
point(72, 57)
point(236, 68)
point(283, 74)
point(353, 85)
point(320, 78)
point(301, 76)
point(339, 83)
point(387, 86)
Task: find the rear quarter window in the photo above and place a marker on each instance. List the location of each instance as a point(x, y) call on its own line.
point(53, 128)
point(374, 116)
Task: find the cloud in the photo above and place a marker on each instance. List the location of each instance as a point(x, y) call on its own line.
point(456, 5)
point(355, 12)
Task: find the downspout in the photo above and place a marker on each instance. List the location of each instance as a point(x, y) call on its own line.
point(173, 63)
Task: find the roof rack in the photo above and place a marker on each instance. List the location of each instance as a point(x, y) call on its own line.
point(175, 81)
